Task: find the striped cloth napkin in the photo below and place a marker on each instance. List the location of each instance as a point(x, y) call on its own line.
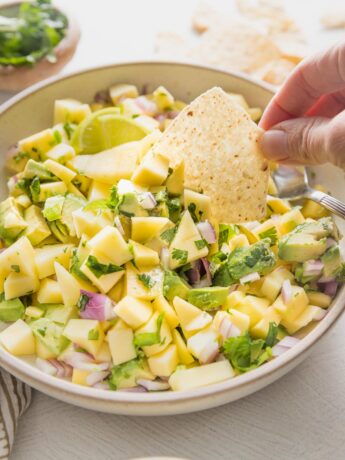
point(15, 398)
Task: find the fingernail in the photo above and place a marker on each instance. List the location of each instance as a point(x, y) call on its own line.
point(274, 145)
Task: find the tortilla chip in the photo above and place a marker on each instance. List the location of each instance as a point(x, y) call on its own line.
point(236, 47)
point(333, 18)
point(206, 17)
point(292, 46)
point(171, 45)
point(219, 145)
point(275, 72)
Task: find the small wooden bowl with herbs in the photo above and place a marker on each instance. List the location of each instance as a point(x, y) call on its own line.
point(36, 41)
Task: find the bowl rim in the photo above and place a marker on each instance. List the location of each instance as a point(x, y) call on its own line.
point(37, 378)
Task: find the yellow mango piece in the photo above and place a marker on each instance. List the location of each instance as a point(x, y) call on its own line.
point(37, 145)
point(292, 309)
point(121, 346)
point(309, 314)
point(79, 377)
point(49, 292)
point(319, 299)
point(48, 189)
point(185, 357)
point(110, 243)
point(163, 98)
point(143, 256)
point(153, 170)
point(161, 305)
point(196, 377)
point(70, 110)
point(18, 284)
point(260, 330)
point(251, 236)
point(175, 181)
point(254, 307)
point(34, 312)
point(89, 223)
point(103, 355)
point(290, 220)
point(18, 339)
point(121, 91)
point(238, 241)
point(234, 299)
point(313, 210)
point(272, 188)
point(22, 254)
point(190, 316)
point(87, 333)
point(240, 320)
point(60, 171)
point(104, 282)
point(145, 228)
point(116, 292)
point(277, 205)
point(69, 286)
point(135, 312)
point(37, 229)
point(273, 282)
point(135, 287)
point(48, 254)
point(61, 153)
point(98, 191)
point(201, 203)
point(164, 363)
point(42, 351)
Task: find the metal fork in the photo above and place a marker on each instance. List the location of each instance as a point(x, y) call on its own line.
point(293, 184)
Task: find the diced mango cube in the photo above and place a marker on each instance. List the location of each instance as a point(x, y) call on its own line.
point(121, 345)
point(135, 312)
point(196, 377)
point(164, 363)
point(18, 339)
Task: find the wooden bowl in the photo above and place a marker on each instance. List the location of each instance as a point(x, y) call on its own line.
point(17, 78)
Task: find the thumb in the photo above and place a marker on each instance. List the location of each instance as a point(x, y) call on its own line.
point(299, 141)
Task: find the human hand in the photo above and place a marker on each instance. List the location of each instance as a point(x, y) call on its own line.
point(306, 118)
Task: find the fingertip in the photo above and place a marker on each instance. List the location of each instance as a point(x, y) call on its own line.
point(274, 145)
point(273, 115)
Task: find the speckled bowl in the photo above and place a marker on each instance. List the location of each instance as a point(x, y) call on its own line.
point(31, 111)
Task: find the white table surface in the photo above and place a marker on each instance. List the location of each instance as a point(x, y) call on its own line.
point(302, 416)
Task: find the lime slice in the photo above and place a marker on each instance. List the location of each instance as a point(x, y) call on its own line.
point(104, 129)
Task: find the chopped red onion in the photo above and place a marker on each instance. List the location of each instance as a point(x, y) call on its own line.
point(206, 265)
point(330, 287)
point(164, 256)
point(249, 278)
point(153, 385)
point(227, 329)
point(173, 114)
point(94, 367)
point(286, 291)
point(102, 386)
point(118, 225)
point(284, 345)
point(77, 359)
point(207, 231)
point(63, 370)
point(96, 377)
point(326, 279)
point(209, 353)
point(312, 268)
point(133, 390)
point(99, 306)
point(102, 97)
point(148, 107)
point(330, 242)
point(46, 367)
point(147, 200)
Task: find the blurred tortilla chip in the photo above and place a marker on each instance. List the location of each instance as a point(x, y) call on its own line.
point(170, 45)
point(205, 17)
point(275, 72)
point(292, 46)
point(333, 18)
point(238, 47)
point(219, 145)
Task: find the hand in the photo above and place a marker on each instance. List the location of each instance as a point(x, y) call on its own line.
point(306, 118)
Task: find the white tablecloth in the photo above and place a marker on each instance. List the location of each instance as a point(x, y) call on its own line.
point(302, 416)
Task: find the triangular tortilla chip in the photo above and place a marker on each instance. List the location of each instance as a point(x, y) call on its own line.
point(219, 144)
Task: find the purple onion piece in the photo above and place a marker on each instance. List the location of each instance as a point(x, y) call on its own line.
point(102, 97)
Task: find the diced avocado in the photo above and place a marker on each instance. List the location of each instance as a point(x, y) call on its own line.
point(37, 229)
point(50, 335)
point(11, 221)
point(130, 206)
point(11, 310)
point(71, 204)
point(35, 169)
point(208, 298)
point(300, 247)
point(126, 375)
point(60, 313)
point(332, 261)
point(60, 231)
point(245, 260)
point(318, 228)
point(174, 285)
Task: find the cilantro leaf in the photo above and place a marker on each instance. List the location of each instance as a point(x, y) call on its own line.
point(82, 302)
point(270, 233)
point(15, 268)
point(181, 255)
point(200, 244)
point(147, 280)
point(146, 339)
point(93, 334)
point(99, 269)
point(226, 232)
point(168, 235)
point(35, 188)
point(246, 354)
point(271, 338)
point(75, 266)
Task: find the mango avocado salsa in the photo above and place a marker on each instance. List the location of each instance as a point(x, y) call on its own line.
point(116, 276)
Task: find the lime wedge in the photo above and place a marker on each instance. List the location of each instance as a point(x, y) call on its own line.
point(104, 129)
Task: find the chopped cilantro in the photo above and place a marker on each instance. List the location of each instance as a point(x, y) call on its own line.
point(146, 339)
point(35, 188)
point(246, 354)
point(68, 128)
point(15, 268)
point(270, 233)
point(99, 269)
point(82, 302)
point(147, 280)
point(180, 255)
point(97, 205)
point(42, 331)
point(75, 266)
point(226, 232)
point(200, 244)
point(20, 155)
point(168, 235)
point(57, 136)
point(271, 338)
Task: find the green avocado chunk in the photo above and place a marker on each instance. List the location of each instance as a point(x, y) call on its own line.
point(126, 375)
point(35, 169)
point(11, 221)
point(242, 261)
point(332, 262)
point(307, 241)
point(130, 206)
point(50, 335)
point(60, 313)
point(208, 298)
point(174, 285)
point(11, 310)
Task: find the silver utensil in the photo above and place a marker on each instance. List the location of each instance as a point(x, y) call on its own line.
point(293, 184)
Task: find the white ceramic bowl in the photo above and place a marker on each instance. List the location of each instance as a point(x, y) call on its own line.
point(31, 111)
